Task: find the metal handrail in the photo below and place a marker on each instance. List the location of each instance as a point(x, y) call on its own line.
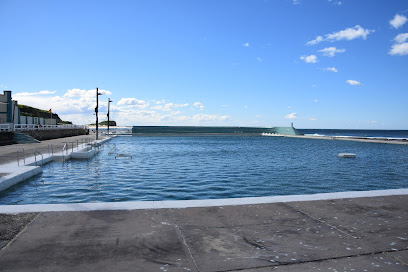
point(18, 157)
point(35, 157)
point(113, 149)
point(52, 149)
point(64, 148)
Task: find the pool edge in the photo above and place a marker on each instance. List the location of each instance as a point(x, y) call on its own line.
point(178, 204)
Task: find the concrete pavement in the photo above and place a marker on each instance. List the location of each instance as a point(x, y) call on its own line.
point(353, 234)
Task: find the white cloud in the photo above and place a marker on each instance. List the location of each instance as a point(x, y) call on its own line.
point(133, 102)
point(246, 44)
point(331, 51)
point(398, 21)
point(315, 41)
point(316, 100)
point(354, 82)
point(346, 34)
point(259, 59)
point(293, 115)
point(245, 107)
point(169, 106)
point(296, 2)
point(37, 93)
point(401, 38)
point(332, 69)
point(399, 49)
point(208, 117)
point(199, 105)
point(312, 119)
point(309, 59)
point(258, 116)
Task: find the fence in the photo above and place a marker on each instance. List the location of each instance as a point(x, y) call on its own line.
point(20, 127)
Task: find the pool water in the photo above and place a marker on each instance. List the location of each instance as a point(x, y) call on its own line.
point(210, 167)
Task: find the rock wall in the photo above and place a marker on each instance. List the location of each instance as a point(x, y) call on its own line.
point(42, 135)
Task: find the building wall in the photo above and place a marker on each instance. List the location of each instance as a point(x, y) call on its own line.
point(9, 106)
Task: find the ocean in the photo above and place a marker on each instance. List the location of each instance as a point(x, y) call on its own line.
point(361, 133)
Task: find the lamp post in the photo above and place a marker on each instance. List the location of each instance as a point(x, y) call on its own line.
point(109, 101)
point(96, 111)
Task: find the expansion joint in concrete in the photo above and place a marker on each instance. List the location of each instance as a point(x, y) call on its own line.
point(288, 264)
point(183, 240)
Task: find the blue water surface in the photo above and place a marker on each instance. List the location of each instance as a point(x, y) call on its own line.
point(209, 167)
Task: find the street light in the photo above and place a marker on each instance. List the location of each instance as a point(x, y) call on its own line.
point(96, 111)
point(109, 101)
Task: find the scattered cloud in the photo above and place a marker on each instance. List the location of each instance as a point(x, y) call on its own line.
point(332, 69)
point(309, 59)
point(293, 115)
point(36, 93)
point(199, 105)
point(296, 2)
point(208, 117)
point(315, 41)
point(354, 82)
point(169, 106)
point(401, 46)
point(245, 107)
point(258, 116)
point(316, 100)
point(399, 49)
point(314, 85)
point(312, 119)
point(246, 44)
point(259, 59)
point(398, 21)
point(338, 3)
point(346, 34)
point(133, 102)
point(331, 51)
point(401, 38)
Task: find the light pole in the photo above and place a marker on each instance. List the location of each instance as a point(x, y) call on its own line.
point(109, 101)
point(96, 111)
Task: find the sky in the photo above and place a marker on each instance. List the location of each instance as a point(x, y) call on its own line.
point(317, 63)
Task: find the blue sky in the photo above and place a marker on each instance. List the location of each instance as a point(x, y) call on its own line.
point(316, 63)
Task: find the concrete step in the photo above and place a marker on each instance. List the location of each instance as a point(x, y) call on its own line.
point(22, 138)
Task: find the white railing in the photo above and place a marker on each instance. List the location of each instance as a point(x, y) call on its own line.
point(46, 127)
point(4, 127)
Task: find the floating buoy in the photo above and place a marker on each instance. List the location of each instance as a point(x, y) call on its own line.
point(347, 155)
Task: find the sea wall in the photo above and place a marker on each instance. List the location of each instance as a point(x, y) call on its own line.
point(195, 130)
point(54, 134)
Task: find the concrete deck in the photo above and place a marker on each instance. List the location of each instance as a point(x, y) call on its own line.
point(353, 234)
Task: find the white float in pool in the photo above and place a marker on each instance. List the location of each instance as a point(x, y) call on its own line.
point(347, 155)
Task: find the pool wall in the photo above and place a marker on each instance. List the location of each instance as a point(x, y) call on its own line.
point(192, 130)
point(180, 204)
point(12, 173)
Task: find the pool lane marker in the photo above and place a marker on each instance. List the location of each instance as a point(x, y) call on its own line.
point(179, 204)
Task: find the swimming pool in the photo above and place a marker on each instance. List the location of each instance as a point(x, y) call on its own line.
point(211, 167)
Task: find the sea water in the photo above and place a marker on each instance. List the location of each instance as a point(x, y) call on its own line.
point(211, 167)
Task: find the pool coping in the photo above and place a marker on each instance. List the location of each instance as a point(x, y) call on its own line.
point(179, 204)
